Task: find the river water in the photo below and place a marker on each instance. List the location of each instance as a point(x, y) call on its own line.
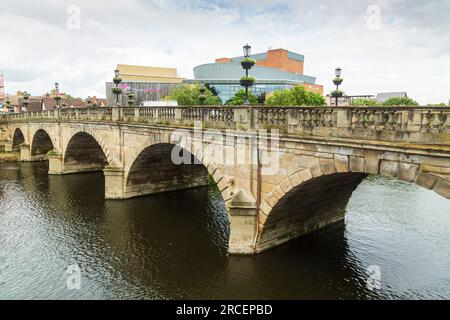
point(173, 246)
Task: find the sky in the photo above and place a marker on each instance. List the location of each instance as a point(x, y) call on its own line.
point(381, 45)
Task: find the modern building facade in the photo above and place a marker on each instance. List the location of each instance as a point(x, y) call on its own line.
point(274, 70)
point(146, 83)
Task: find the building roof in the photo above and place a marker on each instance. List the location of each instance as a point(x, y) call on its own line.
point(383, 96)
point(233, 71)
point(50, 103)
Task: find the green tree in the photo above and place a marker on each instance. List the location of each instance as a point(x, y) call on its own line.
point(393, 102)
point(297, 96)
point(239, 98)
point(364, 102)
point(187, 95)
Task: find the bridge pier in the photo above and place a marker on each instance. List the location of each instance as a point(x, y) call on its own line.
point(25, 153)
point(8, 147)
point(55, 163)
point(243, 225)
point(114, 183)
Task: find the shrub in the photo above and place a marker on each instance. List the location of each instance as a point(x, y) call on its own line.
point(188, 95)
point(364, 102)
point(397, 101)
point(239, 98)
point(297, 96)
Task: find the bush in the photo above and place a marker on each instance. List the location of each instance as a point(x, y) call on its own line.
point(297, 96)
point(364, 102)
point(400, 102)
point(188, 95)
point(239, 98)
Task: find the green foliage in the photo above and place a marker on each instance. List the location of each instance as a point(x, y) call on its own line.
point(365, 102)
point(188, 95)
point(249, 60)
point(116, 90)
point(397, 101)
point(239, 98)
point(252, 79)
point(297, 96)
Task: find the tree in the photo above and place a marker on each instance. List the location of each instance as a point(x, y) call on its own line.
point(188, 95)
point(239, 98)
point(397, 101)
point(364, 102)
point(297, 96)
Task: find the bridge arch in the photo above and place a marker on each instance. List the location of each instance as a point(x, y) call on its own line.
point(41, 144)
point(316, 197)
point(153, 170)
point(18, 138)
point(84, 153)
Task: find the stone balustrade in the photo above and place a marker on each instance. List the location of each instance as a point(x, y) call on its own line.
point(402, 124)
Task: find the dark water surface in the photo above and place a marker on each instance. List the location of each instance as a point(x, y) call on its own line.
point(173, 246)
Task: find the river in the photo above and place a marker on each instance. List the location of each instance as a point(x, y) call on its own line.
point(173, 246)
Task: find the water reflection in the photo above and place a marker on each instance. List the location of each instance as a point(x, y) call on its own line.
point(174, 245)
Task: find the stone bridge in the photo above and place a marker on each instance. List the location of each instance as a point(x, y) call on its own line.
point(275, 187)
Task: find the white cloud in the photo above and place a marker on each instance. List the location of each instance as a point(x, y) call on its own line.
point(409, 52)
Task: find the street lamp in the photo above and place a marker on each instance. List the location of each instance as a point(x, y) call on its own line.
point(247, 63)
point(89, 102)
point(202, 96)
point(25, 102)
point(337, 82)
point(57, 97)
point(8, 104)
point(130, 96)
point(247, 50)
point(116, 90)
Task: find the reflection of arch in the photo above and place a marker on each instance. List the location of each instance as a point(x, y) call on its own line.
point(314, 198)
point(18, 138)
point(84, 153)
point(41, 144)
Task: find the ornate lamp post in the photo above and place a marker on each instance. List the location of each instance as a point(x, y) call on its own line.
point(89, 102)
point(337, 81)
point(130, 96)
point(57, 97)
point(8, 104)
point(117, 80)
point(202, 96)
point(25, 102)
point(247, 63)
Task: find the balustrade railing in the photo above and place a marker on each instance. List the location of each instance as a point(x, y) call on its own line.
point(292, 119)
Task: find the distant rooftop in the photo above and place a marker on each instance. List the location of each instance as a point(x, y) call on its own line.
point(383, 96)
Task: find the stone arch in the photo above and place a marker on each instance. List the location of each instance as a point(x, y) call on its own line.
point(84, 153)
point(334, 180)
point(41, 143)
point(157, 156)
point(97, 137)
point(18, 138)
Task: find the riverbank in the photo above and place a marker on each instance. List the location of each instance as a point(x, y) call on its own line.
point(9, 156)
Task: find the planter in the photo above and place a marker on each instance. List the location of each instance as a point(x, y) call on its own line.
point(337, 94)
point(338, 81)
point(116, 90)
point(247, 65)
point(247, 83)
point(117, 80)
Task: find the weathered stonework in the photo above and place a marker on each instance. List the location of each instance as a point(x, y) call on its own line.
point(325, 154)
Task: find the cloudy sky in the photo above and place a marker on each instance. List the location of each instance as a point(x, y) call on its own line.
point(381, 45)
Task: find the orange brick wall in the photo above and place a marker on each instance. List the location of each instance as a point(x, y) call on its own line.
point(223, 60)
point(314, 88)
point(279, 59)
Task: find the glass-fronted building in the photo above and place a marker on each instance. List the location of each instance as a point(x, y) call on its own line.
point(274, 70)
